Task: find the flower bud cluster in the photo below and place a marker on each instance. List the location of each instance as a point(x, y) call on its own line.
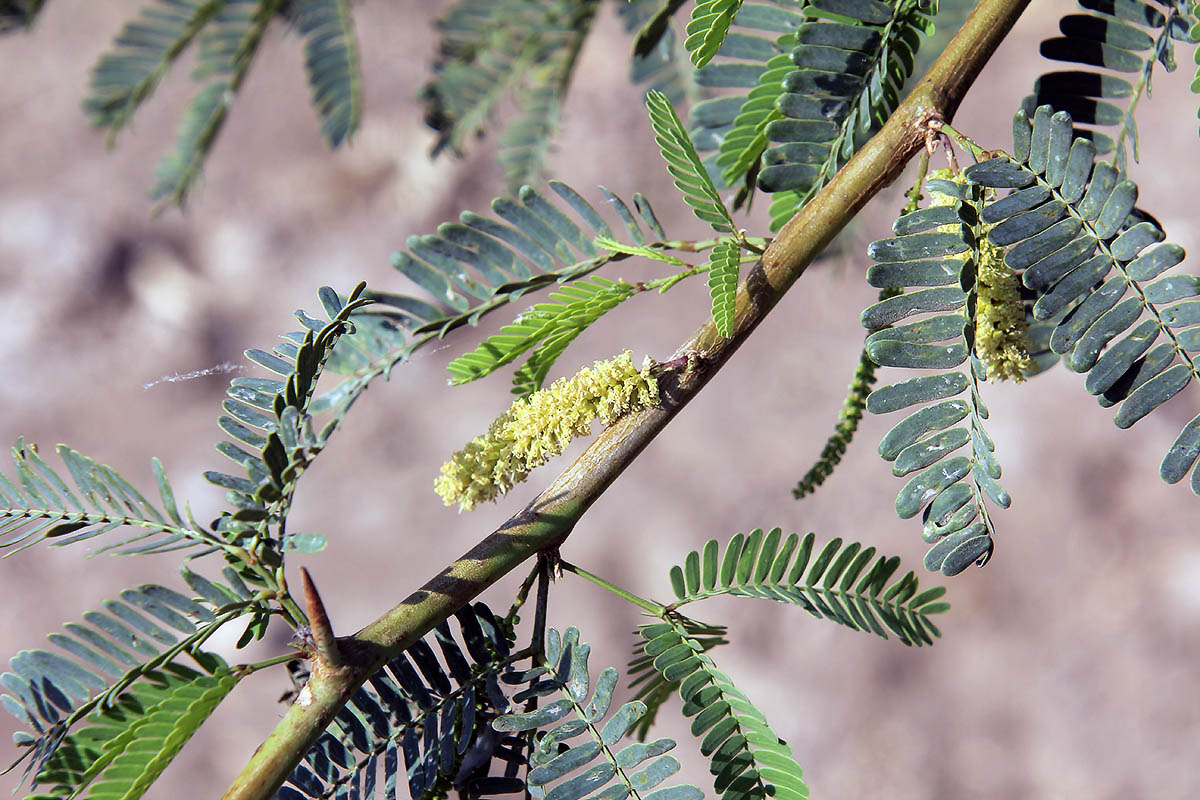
point(1001, 332)
point(535, 430)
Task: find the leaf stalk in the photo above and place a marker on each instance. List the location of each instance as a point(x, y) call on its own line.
point(648, 606)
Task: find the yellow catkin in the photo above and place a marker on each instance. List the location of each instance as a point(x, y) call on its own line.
point(535, 430)
point(1001, 332)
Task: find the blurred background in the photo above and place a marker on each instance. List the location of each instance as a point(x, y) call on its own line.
point(1067, 667)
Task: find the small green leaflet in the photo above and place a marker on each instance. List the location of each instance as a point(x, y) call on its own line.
point(707, 28)
point(722, 283)
point(685, 165)
point(304, 543)
point(637, 250)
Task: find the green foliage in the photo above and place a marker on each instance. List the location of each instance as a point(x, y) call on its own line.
point(638, 250)
point(1194, 35)
point(438, 717)
point(655, 690)
point(685, 166)
point(737, 125)
point(225, 51)
point(480, 259)
point(832, 77)
point(271, 423)
point(147, 47)
point(226, 35)
point(653, 19)
point(708, 28)
point(128, 744)
point(548, 326)
point(747, 758)
point(490, 50)
point(1070, 224)
point(836, 584)
point(936, 247)
point(1126, 37)
point(331, 61)
point(723, 265)
point(1030, 238)
point(477, 265)
point(137, 643)
point(151, 627)
point(564, 672)
point(40, 506)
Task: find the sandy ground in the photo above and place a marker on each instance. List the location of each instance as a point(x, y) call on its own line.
point(1067, 666)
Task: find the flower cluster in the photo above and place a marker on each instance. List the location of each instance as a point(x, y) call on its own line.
point(1001, 339)
point(533, 431)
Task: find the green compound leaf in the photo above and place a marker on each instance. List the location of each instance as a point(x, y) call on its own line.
point(708, 27)
point(1194, 36)
point(128, 744)
point(826, 76)
point(422, 722)
point(685, 165)
point(1095, 264)
point(331, 61)
point(113, 669)
point(1130, 37)
point(147, 47)
point(652, 688)
point(747, 757)
point(270, 420)
point(469, 268)
point(225, 51)
point(225, 36)
point(548, 326)
point(39, 505)
point(847, 584)
point(493, 50)
point(843, 432)
point(938, 247)
point(656, 51)
point(723, 266)
point(576, 755)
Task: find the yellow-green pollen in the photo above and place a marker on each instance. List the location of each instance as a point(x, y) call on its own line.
point(1001, 332)
point(533, 431)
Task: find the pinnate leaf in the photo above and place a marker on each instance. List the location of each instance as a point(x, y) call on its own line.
point(685, 165)
point(722, 284)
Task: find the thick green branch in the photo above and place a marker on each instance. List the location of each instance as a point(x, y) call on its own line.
point(547, 521)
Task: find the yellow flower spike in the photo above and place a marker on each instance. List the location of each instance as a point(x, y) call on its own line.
point(1001, 338)
point(535, 430)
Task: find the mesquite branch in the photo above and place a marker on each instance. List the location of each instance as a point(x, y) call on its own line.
point(549, 519)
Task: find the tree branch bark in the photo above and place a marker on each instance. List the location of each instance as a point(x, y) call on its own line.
point(549, 519)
